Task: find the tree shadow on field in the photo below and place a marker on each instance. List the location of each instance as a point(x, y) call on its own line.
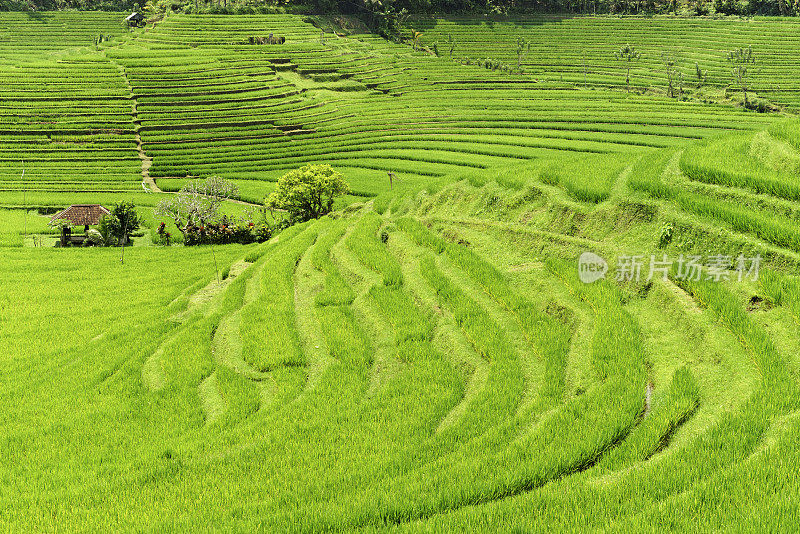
point(428, 22)
point(37, 16)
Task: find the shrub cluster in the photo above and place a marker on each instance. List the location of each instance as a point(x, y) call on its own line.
point(227, 231)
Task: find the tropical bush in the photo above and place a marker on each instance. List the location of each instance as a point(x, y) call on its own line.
point(227, 231)
point(94, 237)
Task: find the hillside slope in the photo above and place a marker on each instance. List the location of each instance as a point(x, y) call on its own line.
point(427, 359)
point(203, 101)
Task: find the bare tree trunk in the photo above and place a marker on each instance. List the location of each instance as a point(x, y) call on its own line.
point(743, 86)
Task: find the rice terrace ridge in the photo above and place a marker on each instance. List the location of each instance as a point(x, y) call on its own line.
point(399, 266)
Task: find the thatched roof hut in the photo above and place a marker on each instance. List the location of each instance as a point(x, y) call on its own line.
point(85, 215)
point(81, 214)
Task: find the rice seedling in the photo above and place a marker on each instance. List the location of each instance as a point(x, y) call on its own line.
point(336, 291)
point(588, 180)
point(269, 339)
point(727, 162)
point(366, 244)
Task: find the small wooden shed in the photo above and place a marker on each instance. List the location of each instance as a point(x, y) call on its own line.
point(135, 20)
point(85, 215)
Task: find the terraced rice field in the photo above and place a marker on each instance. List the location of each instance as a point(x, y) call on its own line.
point(580, 50)
point(425, 359)
point(204, 103)
point(366, 106)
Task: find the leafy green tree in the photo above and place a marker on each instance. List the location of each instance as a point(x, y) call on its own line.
point(628, 54)
point(123, 222)
point(742, 59)
point(308, 192)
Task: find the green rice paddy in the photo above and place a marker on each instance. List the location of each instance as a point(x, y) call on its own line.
point(426, 357)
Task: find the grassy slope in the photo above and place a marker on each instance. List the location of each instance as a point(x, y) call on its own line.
point(428, 360)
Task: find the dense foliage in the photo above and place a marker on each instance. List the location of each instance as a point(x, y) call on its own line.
point(52, 5)
point(196, 212)
point(227, 231)
point(122, 222)
point(386, 16)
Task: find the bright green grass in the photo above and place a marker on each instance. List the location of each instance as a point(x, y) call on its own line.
point(425, 358)
point(16, 224)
